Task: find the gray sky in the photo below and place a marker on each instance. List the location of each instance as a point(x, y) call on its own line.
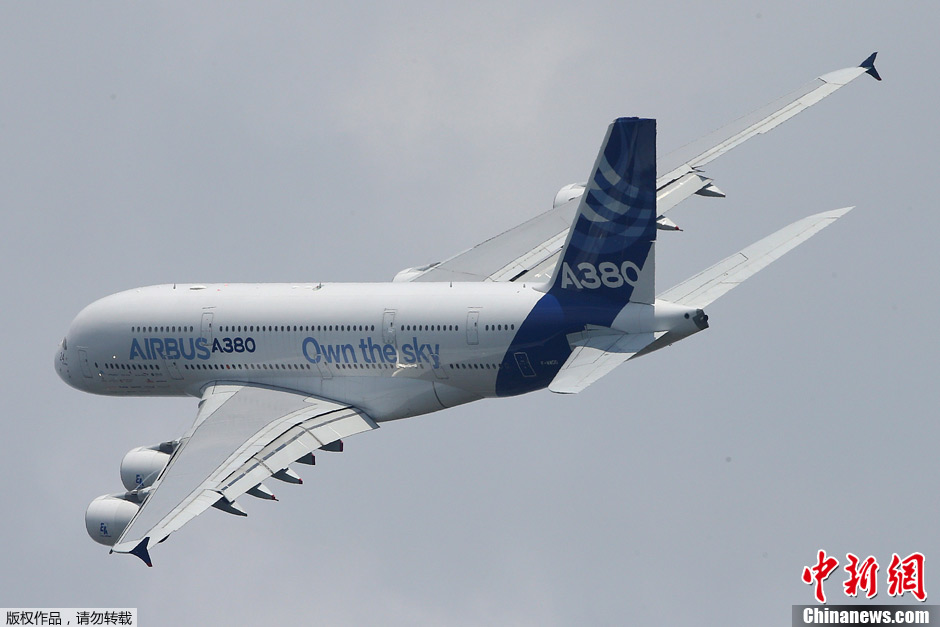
point(156, 142)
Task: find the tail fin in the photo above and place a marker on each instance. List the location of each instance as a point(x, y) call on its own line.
point(609, 253)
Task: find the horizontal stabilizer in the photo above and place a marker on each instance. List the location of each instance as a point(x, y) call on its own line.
point(595, 355)
point(707, 286)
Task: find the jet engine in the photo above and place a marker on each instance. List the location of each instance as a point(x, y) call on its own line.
point(568, 192)
point(410, 273)
point(142, 465)
point(108, 516)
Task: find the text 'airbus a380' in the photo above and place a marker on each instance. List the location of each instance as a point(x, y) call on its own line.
point(284, 370)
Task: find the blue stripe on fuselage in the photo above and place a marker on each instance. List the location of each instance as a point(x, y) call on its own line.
point(542, 337)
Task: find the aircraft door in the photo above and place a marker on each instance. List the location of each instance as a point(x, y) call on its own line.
point(473, 326)
point(525, 367)
point(388, 327)
point(173, 369)
point(83, 360)
point(324, 368)
point(439, 372)
point(205, 330)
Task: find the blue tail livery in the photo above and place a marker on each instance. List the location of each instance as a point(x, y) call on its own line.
point(610, 248)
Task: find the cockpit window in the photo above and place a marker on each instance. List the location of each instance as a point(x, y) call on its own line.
point(65, 346)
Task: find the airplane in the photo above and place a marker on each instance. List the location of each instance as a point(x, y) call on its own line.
point(283, 371)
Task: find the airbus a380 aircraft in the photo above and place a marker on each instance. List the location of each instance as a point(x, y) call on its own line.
point(283, 370)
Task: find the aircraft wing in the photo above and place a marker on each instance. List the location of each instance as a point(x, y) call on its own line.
point(529, 252)
point(242, 435)
point(510, 256)
point(684, 164)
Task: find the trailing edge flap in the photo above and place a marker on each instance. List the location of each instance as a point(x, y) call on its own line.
point(595, 353)
point(242, 435)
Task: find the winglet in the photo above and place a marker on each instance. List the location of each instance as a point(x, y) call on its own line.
point(141, 551)
point(869, 65)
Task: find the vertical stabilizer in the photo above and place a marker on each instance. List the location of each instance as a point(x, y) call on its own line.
point(609, 253)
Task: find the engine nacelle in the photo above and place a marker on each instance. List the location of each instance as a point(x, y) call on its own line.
point(142, 465)
point(107, 517)
point(567, 193)
point(410, 273)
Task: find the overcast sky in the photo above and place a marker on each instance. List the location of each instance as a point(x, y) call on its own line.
point(151, 143)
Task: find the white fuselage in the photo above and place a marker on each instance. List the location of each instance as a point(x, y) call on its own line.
point(392, 349)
